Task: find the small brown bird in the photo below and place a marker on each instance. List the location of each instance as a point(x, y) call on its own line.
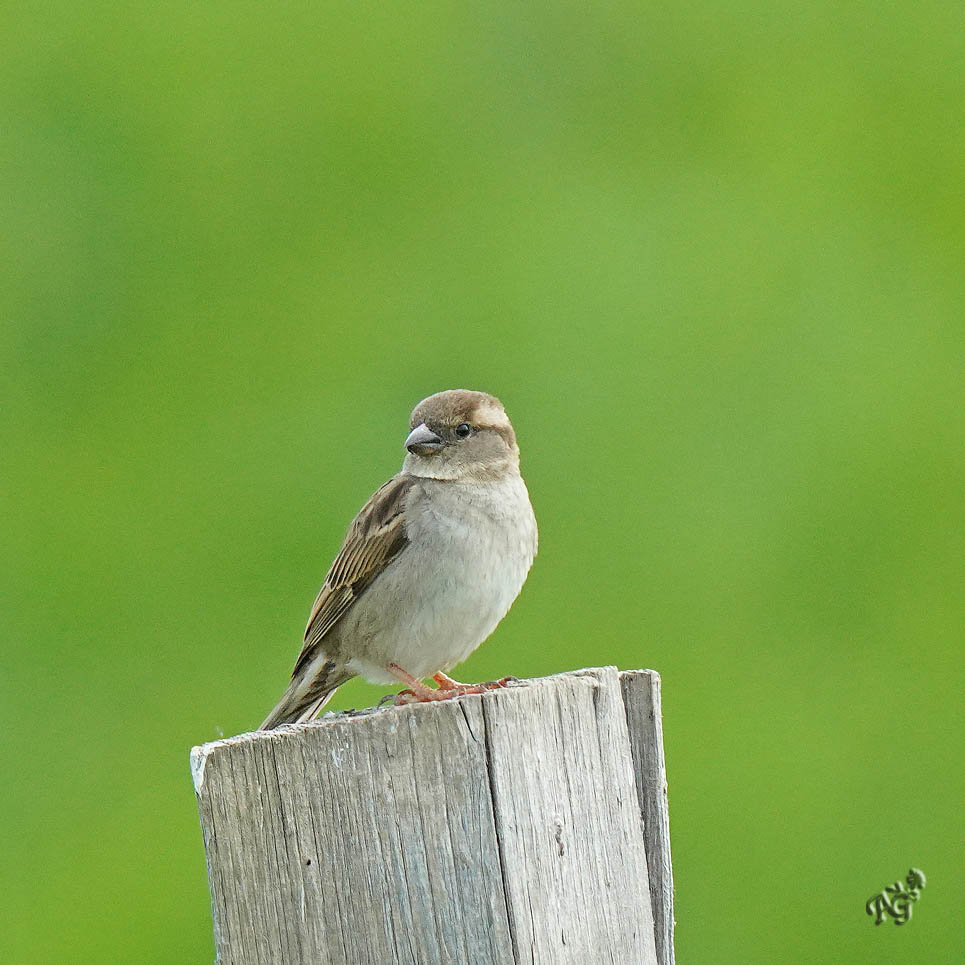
point(432, 562)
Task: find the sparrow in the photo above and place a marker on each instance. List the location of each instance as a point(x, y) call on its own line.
point(429, 566)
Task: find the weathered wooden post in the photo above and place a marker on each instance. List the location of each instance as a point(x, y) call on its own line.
point(527, 824)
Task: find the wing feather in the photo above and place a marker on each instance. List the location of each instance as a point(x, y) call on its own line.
point(375, 538)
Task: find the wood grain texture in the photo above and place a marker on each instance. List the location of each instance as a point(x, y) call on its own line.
point(498, 829)
point(641, 697)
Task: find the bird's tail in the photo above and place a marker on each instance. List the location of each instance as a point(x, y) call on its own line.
point(310, 690)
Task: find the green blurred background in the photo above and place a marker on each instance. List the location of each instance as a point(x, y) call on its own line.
point(711, 258)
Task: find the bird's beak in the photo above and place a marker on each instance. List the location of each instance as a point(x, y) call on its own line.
point(422, 441)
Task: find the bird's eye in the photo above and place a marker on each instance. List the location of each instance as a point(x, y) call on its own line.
point(463, 430)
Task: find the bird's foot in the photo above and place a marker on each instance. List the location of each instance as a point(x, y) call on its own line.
point(417, 692)
point(454, 688)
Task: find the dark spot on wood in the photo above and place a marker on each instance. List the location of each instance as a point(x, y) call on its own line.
point(561, 848)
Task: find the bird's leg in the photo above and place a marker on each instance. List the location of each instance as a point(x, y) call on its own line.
point(446, 682)
point(417, 691)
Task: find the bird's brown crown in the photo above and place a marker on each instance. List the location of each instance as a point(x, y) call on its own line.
point(454, 406)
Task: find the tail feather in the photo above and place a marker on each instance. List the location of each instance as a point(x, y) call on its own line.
point(306, 695)
point(292, 710)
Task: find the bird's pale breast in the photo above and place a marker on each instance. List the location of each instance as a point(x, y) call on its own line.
point(470, 549)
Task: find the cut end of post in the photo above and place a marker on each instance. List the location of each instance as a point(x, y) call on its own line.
point(201, 753)
point(199, 757)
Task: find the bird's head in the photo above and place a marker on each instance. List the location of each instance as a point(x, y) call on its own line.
point(461, 435)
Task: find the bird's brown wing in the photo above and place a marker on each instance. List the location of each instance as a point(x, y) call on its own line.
point(375, 538)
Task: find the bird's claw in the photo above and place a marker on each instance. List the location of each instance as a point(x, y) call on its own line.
point(402, 698)
point(393, 698)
